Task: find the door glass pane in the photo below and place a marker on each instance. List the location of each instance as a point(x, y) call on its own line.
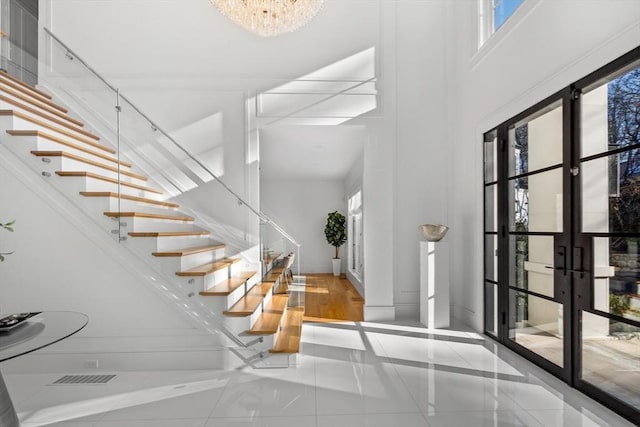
point(491, 208)
point(536, 202)
point(536, 142)
point(531, 263)
point(617, 276)
point(491, 257)
point(536, 324)
point(491, 308)
point(611, 193)
point(490, 157)
point(611, 357)
point(610, 114)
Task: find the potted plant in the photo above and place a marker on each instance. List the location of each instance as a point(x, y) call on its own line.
point(336, 235)
point(9, 227)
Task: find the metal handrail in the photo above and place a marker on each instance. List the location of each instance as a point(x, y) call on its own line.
point(155, 126)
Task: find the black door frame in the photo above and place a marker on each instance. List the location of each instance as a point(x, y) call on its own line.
point(575, 290)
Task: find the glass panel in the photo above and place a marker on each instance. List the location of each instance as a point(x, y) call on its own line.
point(610, 114)
point(491, 308)
point(531, 257)
point(617, 276)
point(536, 324)
point(491, 257)
point(611, 357)
point(536, 202)
point(491, 208)
point(611, 193)
point(491, 157)
point(502, 10)
point(536, 142)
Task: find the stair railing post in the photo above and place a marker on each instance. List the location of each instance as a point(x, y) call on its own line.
point(118, 111)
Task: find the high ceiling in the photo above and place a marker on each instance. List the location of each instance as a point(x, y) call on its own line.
point(302, 89)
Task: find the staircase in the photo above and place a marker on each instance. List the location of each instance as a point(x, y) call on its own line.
point(78, 164)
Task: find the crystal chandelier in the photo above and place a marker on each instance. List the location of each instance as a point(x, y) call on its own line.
point(269, 17)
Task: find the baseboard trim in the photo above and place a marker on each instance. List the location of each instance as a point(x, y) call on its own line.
point(379, 313)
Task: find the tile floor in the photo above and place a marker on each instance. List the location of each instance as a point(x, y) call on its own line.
point(349, 374)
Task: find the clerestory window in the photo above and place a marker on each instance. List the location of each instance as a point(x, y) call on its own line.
point(493, 14)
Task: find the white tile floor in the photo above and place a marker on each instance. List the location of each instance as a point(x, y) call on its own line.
point(355, 375)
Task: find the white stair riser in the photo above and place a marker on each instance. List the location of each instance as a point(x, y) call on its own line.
point(163, 244)
point(38, 143)
point(216, 277)
point(4, 105)
point(81, 183)
point(5, 86)
point(18, 123)
point(238, 325)
point(200, 283)
point(137, 224)
point(193, 260)
point(171, 265)
point(216, 304)
point(241, 324)
point(110, 204)
point(58, 163)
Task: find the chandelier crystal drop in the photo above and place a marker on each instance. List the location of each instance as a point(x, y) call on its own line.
point(269, 18)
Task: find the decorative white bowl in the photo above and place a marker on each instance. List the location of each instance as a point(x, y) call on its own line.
point(433, 232)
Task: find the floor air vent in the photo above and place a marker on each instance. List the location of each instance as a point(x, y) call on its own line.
point(84, 379)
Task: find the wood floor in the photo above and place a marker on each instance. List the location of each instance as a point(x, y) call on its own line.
point(331, 299)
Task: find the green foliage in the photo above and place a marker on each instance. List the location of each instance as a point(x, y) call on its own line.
point(9, 227)
point(335, 230)
point(618, 304)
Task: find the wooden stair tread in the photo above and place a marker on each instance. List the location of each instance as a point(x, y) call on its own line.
point(189, 251)
point(89, 138)
point(79, 147)
point(19, 84)
point(271, 257)
point(269, 320)
point(273, 275)
point(43, 111)
point(289, 338)
point(34, 100)
point(107, 179)
point(229, 285)
point(250, 301)
point(148, 215)
point(128, 197)
point(208, 268)
point(167, 233)
point(87, 161)
point(69, 126)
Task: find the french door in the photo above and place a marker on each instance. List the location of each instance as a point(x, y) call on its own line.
point(562, 234)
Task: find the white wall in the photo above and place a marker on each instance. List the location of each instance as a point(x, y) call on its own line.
point(303, 206)
point(422, 156)
point(65, 262)
point(423, 159)
point(545, 46)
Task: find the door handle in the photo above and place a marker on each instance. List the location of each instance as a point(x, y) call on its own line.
point(578, 263)
point(562, 254)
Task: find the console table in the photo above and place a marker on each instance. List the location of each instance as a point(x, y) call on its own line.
point(41, 331)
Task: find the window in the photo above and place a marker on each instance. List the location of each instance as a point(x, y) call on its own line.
point(502, 10)
point(493, 14)
point(355, 235)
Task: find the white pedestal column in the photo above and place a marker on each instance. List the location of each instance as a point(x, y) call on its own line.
point(434, 284)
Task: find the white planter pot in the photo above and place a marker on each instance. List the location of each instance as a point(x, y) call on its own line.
point(336, 266)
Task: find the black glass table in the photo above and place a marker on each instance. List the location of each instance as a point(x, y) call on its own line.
point(41, 331)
